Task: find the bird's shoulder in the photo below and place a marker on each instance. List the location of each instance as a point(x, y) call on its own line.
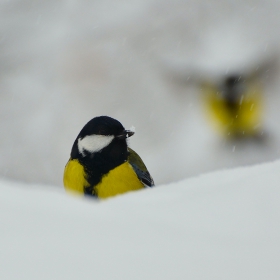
point(140, 168)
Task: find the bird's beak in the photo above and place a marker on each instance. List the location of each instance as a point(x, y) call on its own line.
point(125, 134)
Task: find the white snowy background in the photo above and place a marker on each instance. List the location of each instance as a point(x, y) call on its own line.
point(64, 62)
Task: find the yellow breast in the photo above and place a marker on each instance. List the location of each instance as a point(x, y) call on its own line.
point(119, 180)
point(246, 120)
point(74, 177)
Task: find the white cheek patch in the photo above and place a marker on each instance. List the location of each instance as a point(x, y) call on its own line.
point(94, 143)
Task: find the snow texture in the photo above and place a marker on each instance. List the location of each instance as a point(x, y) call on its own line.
point(222, 225)
point(132, 129)
point(63, 63)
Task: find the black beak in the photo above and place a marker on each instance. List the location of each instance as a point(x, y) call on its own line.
point(125, 134)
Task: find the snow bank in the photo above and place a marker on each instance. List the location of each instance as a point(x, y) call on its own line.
point(222, 225)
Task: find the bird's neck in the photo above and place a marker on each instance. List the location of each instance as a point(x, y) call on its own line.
point(100, 163)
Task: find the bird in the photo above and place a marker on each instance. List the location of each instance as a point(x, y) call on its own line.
point(101, 164)
point(235, 105)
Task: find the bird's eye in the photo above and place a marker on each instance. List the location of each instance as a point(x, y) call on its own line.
point(102, 132)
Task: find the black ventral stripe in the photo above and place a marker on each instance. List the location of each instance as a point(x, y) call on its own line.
point(98, 164)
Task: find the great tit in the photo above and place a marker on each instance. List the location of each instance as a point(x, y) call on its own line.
point(235, 105)
point(101, 164)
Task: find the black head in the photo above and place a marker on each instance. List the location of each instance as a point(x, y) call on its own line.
point(233, 89)
point(97, 134)
point(102, 126)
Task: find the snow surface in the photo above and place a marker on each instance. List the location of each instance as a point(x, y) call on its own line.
point(222, 225)
point(65, 62)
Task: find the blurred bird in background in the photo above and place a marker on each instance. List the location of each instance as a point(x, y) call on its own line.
point(235, 105)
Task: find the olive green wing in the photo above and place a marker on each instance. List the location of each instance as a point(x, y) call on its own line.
point(140, 168)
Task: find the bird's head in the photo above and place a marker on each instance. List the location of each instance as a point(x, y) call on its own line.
point(98, 134)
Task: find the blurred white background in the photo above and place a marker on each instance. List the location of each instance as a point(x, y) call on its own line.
point(65, 62)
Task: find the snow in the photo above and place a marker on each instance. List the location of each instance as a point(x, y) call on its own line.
point(221, 225)
point(63, 63)
point(132, 129)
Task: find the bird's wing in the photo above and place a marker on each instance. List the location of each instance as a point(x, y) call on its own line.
point(140, 168)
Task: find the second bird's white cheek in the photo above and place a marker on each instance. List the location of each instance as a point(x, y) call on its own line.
point(94, 143)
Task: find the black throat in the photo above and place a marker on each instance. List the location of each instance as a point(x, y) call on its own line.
point(100, 163)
